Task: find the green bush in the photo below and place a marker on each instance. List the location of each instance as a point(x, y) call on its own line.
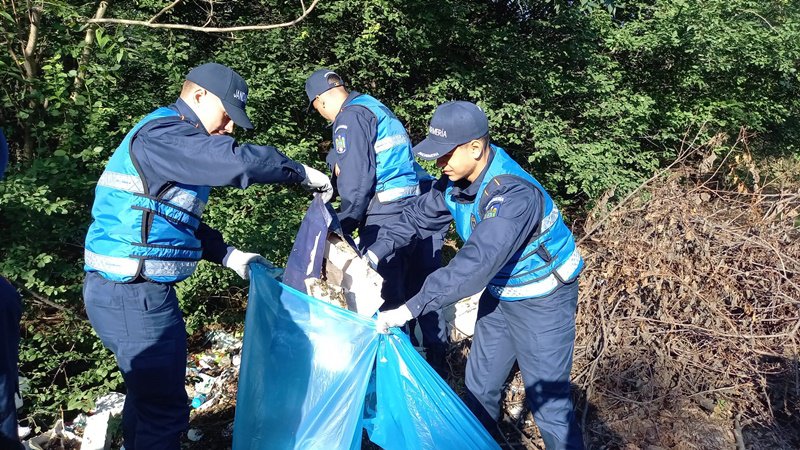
point(591, 96)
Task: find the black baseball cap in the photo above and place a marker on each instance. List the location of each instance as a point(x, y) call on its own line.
point(226, 84)
point(321, 81)
point(452, 124)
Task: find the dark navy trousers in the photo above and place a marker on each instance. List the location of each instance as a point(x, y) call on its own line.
point(405, 272)
point(10, 314)
point(425, 259)
point(143, 326)
point(538, 333)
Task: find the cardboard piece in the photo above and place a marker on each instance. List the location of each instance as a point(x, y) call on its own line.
point(349, 282)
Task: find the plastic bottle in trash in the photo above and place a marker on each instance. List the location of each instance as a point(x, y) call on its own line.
point(198, 400)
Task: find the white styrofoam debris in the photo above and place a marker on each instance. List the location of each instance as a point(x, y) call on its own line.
point(96, 435)
point(461, 317)
point(361, 284)
point(111, 402)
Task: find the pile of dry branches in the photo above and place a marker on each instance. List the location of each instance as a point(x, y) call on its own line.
point(688, 319)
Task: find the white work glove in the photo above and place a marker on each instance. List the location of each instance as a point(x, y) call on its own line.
point(393, 318)
point(317, 181)
point(240, 262)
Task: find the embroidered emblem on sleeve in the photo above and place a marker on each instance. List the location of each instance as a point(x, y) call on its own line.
point(339, 143)
point(493, 208)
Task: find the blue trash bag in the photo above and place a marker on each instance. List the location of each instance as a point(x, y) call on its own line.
point(304, 373)
point(414, 408)
point(309, 380)
point(313, 375)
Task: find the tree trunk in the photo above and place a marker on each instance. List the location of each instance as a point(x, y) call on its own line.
point(30, 64)
point(88, 40)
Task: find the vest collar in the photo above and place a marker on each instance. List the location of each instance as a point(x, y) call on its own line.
point(350, 97)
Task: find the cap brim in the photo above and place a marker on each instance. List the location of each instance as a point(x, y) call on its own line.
point(429, 149)
point(238, 116)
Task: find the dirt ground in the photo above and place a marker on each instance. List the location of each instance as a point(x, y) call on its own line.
point(687, 424)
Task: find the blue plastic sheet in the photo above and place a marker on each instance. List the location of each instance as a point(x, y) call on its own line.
point(314, 375)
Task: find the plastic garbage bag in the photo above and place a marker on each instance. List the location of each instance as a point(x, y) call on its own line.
point(307, 367)
point(305, 260)
point(304, 373)
point(415, 408)
point(314, 375)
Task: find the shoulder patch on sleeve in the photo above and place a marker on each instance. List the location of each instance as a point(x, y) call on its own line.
point(493, 207)
point(340, 144)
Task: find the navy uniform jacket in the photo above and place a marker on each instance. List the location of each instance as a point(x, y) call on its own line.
point(354, 132)
point(182, 151)
point(490, 246)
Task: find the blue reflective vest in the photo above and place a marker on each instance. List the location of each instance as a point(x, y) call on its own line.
point(139, 233)
point(394, 171)
point(551, 255)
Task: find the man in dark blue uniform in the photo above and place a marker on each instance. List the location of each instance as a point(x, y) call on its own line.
point(10, 314)
point(376, 176)
point(147, 234)
point(518, 248)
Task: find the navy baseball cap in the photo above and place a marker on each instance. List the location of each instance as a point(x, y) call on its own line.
point(226, 84)
point(320, 81)
point(452, 124)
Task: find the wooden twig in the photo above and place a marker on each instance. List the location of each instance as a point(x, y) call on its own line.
point(166, 8)
point(737, 432)
point(528, 441)
point(625, 200)
point(88, 40)
point(712, 332)
point(41, 299)
point(204, 29)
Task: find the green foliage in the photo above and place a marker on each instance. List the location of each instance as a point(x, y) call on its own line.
point(592, 95)
point(67, 366)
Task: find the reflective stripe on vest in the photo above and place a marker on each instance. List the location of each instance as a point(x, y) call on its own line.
point(132, 183)
point(528, 273)
point(130, 267)
point(391, 141)
point(121, 181)
point(391, 195)
point(394, 172)
point(135, 232)
point(542, 287)
point(549, 220)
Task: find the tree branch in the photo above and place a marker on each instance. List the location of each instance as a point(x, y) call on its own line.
point(160, 13)
point(206, 29)
point(41, 299)
point(30, 47)
point(29, 63)
point(760, 17)
point(88, 40)
point(682, 155)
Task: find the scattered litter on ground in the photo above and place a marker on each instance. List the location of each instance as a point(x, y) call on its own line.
point(56, 438)
point(23, 432)
point(223, 341)
point(111, 402)
point(194, 434)
point(23, 385)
